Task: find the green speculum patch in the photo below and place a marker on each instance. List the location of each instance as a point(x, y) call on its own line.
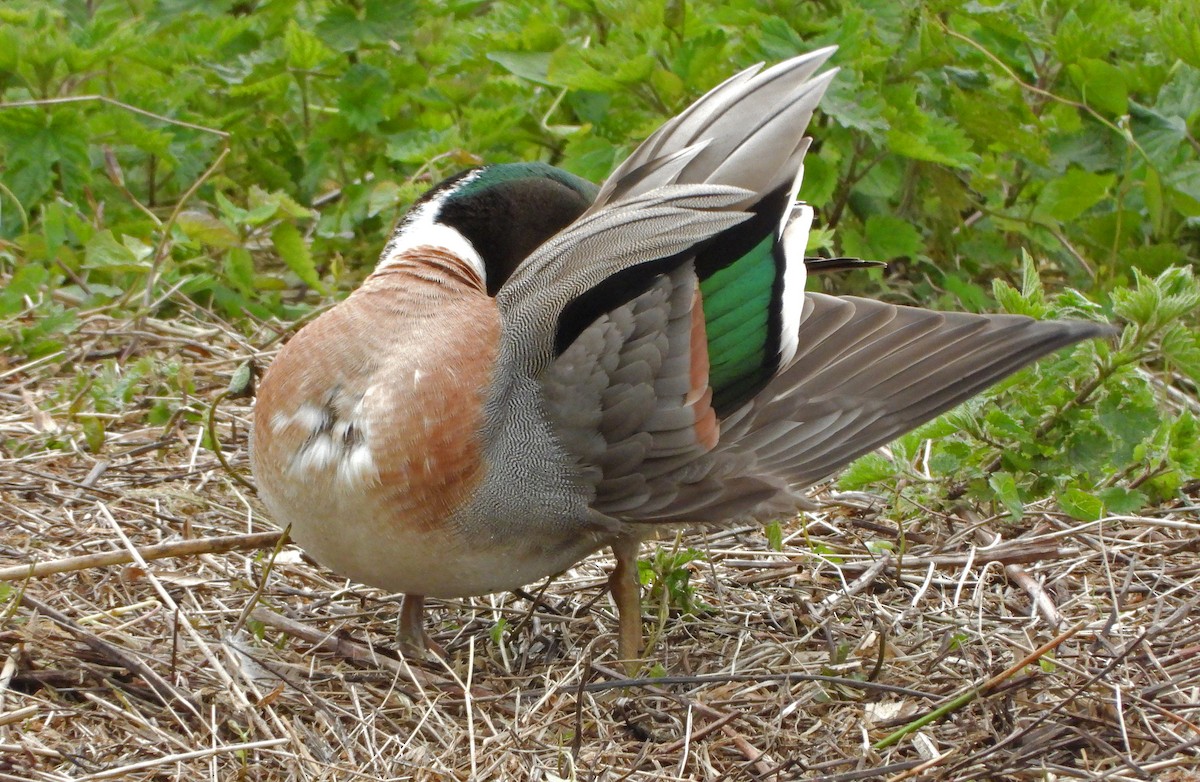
point(737, 302)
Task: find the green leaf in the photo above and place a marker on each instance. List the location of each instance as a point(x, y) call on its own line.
point(105, 252)
point(1184, 184)
point(1181, 347)
point(1005, 487)
point(350, 25)
point(972, 296)
point(1072, 194)
point(93, 432)
point(933, 139)
point(864, 471)
point(886, 238)
point(1179, 30)
point(292, 249)
point(1101, 85)
point(854, 106)
point(1009, 299)
point(363, 96)
point(1088, 449)
point(590, 157)
point(880, 547)
point(1152, 258)
point(385, 197)
point(1002, 424)
point(241, 383)
point(239, 269)
point(819, 182)
point(278, 202)
point(1080, 505)
point(27, 280)
point(598, 71)
point(498, 630)
point(1183, 436)
point(1031, 300)
point(531, 66)
point(305, 51)
point(231, 211)
point(207, 229)
point(774, 534)
point(1140, 304)
point(949, 457)
point(1119, 501)
point(1031, 282)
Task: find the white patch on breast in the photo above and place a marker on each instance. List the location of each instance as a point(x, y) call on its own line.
point(316, 453)
point(357, 468)
point(308, 417)
point(336, 445)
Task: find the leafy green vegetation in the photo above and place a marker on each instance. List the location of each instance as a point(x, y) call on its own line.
point(251, 158)
point(669, 579)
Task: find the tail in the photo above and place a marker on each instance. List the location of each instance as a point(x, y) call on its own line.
point(869, 371)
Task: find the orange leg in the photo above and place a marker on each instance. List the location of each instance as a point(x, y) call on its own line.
point(627, 593)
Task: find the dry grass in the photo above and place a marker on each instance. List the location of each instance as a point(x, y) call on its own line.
point(179, 668)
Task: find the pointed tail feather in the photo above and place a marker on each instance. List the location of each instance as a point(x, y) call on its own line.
point(867, 372)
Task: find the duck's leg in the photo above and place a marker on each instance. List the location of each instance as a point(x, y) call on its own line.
point(412, 624)
point(412, 636)
point(627, 594)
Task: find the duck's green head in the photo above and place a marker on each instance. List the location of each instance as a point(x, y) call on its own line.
point(493, 217)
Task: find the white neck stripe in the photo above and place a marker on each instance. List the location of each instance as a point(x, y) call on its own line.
point(421, 229)
point(432, 235)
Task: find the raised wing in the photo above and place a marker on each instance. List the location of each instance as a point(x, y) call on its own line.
point(866, 372)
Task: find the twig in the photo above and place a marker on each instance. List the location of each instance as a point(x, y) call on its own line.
point(963, 699)
point(21, 104)
point(697, 735)
point(1006, 554)
point(749, 751)
point(355, 652)
point(857, 585)
point(618, 681)
point(167, 693)
point(262, 582)
point(1046, 714)
point(166, 760)
point(179, 548)
point(216, 443)
point(9, 717)
point(160, 251)
point(1043, 602)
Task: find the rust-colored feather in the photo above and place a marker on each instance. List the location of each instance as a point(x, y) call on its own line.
point(371, 415)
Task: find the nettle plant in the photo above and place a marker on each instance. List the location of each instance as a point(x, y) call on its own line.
point(1105, 428)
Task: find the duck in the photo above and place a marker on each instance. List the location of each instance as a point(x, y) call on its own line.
point(539, 368)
